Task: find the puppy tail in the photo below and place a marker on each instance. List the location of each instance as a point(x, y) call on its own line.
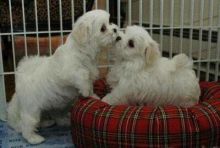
point(14, 114)
point(182, 61)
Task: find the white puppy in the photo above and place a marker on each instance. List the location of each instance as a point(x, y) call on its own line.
point(52, 83)
point(141, 76)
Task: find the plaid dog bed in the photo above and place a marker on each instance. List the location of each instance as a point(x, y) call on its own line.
point(97, 124)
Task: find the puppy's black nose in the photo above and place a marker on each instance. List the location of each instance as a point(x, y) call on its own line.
point(115, 30)
point(118, 38)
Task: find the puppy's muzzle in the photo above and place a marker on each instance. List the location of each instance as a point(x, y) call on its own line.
point(118, 38)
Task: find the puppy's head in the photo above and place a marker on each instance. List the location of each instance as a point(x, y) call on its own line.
point(107, 36)
point(93, 27)
point(119, 42)
point(116, 50)
point(137, 43)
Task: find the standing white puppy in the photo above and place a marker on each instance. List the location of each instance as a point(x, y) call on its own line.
point(52, 83)
point(142, 76)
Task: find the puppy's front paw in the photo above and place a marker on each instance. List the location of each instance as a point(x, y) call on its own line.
point(85, 93)
point(35, 139)
point(47, 123)
point(188, 104)
point(95, 97)
point(94, 74)
point(108, 99)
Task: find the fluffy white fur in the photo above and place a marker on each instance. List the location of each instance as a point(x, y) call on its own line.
point(141, 76)
point(50, 84)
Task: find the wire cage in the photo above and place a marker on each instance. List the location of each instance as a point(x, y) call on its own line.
point(38, 27)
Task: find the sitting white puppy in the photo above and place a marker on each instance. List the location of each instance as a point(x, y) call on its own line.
point(52, 83)
point(141, 76)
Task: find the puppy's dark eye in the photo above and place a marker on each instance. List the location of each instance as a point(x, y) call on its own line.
point(131, 43)
point(103, 28)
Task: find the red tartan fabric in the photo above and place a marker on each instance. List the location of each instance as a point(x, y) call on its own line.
point(97, 124)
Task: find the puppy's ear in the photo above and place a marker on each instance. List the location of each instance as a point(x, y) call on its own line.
point(152, 52)
point(81, 32)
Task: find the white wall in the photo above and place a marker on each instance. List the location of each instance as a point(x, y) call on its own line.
point(177, 11)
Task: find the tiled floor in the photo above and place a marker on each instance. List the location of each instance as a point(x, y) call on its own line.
point(56, 137)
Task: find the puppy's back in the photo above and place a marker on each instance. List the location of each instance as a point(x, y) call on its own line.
point(30, 64)
point(182, 61)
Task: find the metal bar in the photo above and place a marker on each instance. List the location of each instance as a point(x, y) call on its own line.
point(12, 36)
point(209, 38)
point(72, 12)
point(129, 12)
point(212, 60)
point(36, 24)
point(3, 105)
point(107, 9)
point(119, 13)
point(171, 28)
point(218, 47)
point(203, 69)
point(200, 36)
point(24, 27)
point(161, 25)
point(96, 4)
point(61, 21)
point(181, 24)
point(140, 12)
point(34, 32)
point(201, 61)
point(84, 6)
point(107, 5)
point(7, 73)
point(191, 29)
point(68, 31)
point(151, 16)
point(195, 61)
point(49, 27)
